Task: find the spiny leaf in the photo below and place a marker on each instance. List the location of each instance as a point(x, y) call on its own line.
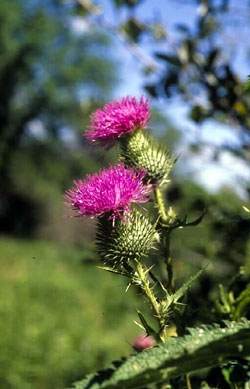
point(203, 347)
point(181, 292)
point(149, 330)
point(242, 303)
point(111, 270)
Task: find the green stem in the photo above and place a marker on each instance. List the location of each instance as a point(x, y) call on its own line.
point(165, 239)
point(168, 260)
point(142, 273)
point(188, 383)
point(160, 204)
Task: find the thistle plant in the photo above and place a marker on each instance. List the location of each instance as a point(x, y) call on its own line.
point(134, 225)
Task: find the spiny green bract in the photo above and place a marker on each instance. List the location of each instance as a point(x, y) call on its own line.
point(126, 240)
point(142, 151)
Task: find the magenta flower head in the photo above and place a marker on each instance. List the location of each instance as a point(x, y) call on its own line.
point(118, 118)
point(111, 192)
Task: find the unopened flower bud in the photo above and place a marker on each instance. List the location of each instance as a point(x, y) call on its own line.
point(143, 342)
point(126, 240)
point(142, 151)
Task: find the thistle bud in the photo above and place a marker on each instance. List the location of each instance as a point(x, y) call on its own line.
point(142, 342)
point(140, 150)
point(127, 240)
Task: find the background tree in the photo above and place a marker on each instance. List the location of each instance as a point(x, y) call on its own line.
point(52, 74)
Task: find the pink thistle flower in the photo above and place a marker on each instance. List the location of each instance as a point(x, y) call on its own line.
point(118, 118)
point(143, 342)
point(112, 191)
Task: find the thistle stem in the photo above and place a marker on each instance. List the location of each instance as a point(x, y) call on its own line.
point(188, 383)
point(145, 286)
point(169, 264)
point(160, 204)
point(165, 240)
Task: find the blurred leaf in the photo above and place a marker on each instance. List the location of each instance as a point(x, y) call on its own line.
point(158, 31)
point(198, 113)
point(247, 86)
point(151, 89)
point(169, 58)
point(171, 81)
point(211, 58)
point(133, 28)
point(128, 3)
point(183, 28)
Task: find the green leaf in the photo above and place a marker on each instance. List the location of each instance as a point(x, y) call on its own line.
point(242, 304)
point(181, 291)
point(149, 330)
point(247, 86)
point(115, 271)
point(203, 347)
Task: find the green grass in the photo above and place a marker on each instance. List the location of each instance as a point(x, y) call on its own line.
point(59, 318)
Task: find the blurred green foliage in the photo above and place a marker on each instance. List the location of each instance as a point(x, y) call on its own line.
point(58, 318)
point(52, 75)
point(221, 242)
